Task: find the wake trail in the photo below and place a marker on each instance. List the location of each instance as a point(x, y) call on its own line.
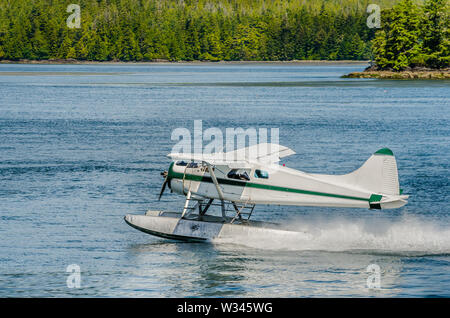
point(408, 235)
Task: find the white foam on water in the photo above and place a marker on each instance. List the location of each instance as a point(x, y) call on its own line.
point(409, 235)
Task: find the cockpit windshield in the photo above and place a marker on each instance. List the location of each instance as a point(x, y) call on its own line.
point(189, 165)
point(238, 174)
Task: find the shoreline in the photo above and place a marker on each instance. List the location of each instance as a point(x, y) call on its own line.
point(80, 62)
point(405, 75)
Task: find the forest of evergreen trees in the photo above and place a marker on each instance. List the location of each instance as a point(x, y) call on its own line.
point(413, 32)
point(176, 30)
point(414, 35)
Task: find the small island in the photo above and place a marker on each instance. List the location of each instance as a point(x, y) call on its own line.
point(413, 43)
point(410, 73)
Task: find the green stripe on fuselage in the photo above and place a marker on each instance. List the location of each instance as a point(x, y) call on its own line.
point(192, 177)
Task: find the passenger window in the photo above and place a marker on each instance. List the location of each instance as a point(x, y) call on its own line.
point(261, 174)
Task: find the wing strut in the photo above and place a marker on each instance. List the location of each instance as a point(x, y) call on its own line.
point(219, 190)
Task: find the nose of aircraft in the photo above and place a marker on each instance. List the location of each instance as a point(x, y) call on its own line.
point(128, 218)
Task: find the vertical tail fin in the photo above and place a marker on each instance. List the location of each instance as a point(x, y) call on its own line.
point(379, 173)
point(377, 178)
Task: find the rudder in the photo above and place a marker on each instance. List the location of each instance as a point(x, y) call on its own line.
point(379, 173)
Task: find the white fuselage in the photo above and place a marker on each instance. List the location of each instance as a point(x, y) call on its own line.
point(275, 185)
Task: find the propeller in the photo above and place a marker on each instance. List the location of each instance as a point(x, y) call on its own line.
point(166, 180)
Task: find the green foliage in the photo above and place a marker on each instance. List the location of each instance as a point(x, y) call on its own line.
point(436, 33)
point(143, 30)
point(413, 36)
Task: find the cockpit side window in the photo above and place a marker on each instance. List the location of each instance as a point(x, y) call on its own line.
point(238, 175)
point(262, 174)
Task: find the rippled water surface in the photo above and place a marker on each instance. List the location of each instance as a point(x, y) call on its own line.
point(83, 145)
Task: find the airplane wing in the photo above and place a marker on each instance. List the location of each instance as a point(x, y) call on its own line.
point(240, 158)
point(263, 152)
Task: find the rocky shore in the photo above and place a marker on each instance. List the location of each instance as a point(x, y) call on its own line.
point(415, 73)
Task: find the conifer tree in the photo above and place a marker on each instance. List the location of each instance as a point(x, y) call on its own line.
point(436, 33)
point(397, 46)
point(223, 29)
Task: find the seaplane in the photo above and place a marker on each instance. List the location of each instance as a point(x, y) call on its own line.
point(232, 183)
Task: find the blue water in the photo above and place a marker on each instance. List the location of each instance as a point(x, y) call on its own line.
point(83, 145)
